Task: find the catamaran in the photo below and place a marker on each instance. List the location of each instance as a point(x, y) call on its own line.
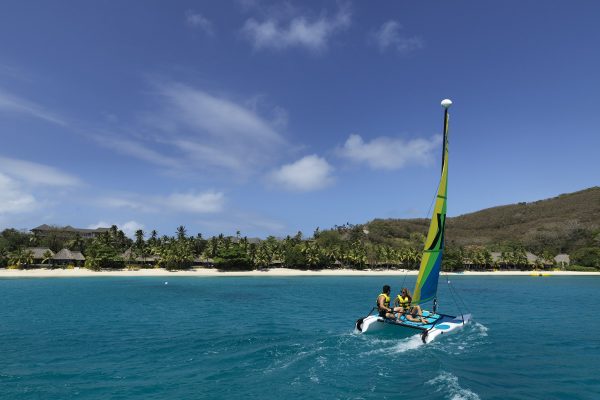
point(433, 323)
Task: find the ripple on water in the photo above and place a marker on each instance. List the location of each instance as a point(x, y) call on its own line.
point(447, 384)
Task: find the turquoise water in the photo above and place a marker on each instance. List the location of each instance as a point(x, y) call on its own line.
point(278, 338)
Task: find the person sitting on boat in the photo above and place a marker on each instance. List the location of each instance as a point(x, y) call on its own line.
point(403, 305)
point(383, 303)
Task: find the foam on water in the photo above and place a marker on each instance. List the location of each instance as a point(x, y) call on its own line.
point(471, 336)
point(393, 346)
point(447, 383)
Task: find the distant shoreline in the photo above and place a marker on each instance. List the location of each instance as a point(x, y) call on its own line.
point(274, 272)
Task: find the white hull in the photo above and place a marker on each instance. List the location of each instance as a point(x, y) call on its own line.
point(444, 325)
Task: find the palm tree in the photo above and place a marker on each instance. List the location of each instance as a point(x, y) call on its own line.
point(181, 232)
point(21, 258)
point(47, 256)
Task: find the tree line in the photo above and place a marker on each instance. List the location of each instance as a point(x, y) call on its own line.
point(347, 246)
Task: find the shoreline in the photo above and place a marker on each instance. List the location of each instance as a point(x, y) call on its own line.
point(274, 272)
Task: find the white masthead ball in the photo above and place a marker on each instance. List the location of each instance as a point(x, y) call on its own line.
point(446, 103)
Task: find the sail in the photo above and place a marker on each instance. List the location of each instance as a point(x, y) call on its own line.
point(431, 261)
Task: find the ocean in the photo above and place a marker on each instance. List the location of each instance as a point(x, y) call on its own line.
point(292, 338)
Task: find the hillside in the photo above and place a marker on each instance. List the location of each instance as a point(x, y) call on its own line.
point(561, 223)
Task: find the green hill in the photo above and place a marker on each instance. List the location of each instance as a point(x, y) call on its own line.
point(559, 224)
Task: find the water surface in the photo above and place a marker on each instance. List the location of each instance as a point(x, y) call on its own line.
point(274, 338)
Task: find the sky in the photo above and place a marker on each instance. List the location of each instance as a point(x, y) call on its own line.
point(270, 118)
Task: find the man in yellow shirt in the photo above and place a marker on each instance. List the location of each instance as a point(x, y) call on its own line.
point(383, 303)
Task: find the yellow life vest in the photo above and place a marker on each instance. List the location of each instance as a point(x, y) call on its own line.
point(404, 301)
point(386, 301)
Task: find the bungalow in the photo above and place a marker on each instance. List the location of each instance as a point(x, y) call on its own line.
point(129, 257)
point(562, 260)
point(66, 256)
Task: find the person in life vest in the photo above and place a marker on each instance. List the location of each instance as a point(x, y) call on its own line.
point(383, 303)
point(403, 305)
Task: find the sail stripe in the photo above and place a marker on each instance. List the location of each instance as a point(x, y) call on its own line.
point(431, 261)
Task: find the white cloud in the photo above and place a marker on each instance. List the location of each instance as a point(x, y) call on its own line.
point(128, 227)
point(308, 173)
point(14, 104)
point(195, 19)
point(212, 155)
point(207, 202)
point(136, 149)
point(137, 205)
point(299, 31)
point(13, 200)
point(208, 132)
point(388, 37)
point(244, 223)
point(216, 116)
point(389, 153)
point(37, 174)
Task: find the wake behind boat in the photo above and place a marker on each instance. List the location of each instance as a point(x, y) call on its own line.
point(429, 324)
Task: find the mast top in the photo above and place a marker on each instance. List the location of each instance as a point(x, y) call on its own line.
point(446, 103)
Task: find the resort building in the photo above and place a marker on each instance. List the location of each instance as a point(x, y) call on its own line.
point(66, 256)
point(562, 260)
point(66, 232)
point(129, 257)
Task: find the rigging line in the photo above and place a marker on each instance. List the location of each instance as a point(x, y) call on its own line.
point(431, 204)
point(452, 294)
point(461, 299)
point(404, 280)
point(456, 292)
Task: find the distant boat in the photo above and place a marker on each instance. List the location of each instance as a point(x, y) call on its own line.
point(429, 272)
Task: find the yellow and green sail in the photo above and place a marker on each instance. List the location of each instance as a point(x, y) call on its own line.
point(431, 262)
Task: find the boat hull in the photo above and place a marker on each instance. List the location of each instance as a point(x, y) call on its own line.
point(442, 325)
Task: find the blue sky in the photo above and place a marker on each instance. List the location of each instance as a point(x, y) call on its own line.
point(274, 117)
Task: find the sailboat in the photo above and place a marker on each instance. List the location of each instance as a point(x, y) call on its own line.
point(427, 281)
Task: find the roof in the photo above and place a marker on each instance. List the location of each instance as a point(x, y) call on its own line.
point(38, 252)
point(496, 256)
point(66, 254)
point(128, 255)
point(531, 258)
point(563, 258)
point(67, 228)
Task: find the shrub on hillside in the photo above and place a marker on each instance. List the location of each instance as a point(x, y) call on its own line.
point(587, 256)
point(581, 268)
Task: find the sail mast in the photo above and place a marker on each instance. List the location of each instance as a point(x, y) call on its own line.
point(431, 261)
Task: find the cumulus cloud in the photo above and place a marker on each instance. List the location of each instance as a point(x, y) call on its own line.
point(307, 174)
point(299, 31)
point(197, 20)
point(389, 153)
point(36, 174)
point(388, 36)
point(17, 105)
point(129, 228)
point(13, 200)
point(207, 202)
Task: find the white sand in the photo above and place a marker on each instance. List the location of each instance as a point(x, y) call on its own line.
point(210, 272)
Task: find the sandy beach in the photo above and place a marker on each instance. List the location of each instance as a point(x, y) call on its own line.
point(211, 272)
